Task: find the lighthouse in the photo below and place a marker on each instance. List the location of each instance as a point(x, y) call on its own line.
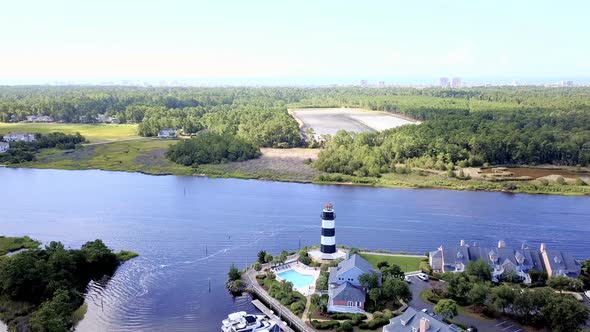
point(328, 251)
point(328, 239)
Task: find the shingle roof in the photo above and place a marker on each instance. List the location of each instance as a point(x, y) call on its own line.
point(409, 321)
point(346, 292)
point(355, 261)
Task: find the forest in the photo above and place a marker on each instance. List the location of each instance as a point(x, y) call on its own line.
point(40, 289)
point(466, 127)
point(209, 148)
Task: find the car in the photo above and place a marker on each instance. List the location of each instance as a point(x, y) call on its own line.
point(587, 293)
point(472, 329)
point(425, 310)
point(408, 280)
point(422, 276)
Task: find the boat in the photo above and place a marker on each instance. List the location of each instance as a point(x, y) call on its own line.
point(587, 293)
point(243, 322)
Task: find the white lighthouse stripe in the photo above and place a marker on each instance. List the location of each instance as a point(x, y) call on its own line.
point(327, 223)
point(328, 240)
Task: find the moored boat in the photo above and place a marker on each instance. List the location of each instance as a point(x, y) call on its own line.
point(243, 322)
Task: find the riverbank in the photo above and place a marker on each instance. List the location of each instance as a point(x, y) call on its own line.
point(148, 156)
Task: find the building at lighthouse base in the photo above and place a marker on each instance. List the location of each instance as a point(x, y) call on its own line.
point(321, 257)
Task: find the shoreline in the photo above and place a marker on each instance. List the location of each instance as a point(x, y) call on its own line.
point(460, 186)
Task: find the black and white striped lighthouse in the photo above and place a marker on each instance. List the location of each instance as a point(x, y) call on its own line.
point(328, 241)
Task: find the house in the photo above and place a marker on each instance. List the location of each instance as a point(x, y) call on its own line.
point(504, 260)
point(23, 137)
point(417, 321)
point(345, 292)
point(559, 264)
point(167, 133)
point(39, 118)
point(107, 119)
point(4, 147)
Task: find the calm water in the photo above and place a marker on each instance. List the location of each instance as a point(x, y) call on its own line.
point(189, 230)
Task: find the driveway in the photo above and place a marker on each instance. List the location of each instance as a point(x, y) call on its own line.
point(482, 324)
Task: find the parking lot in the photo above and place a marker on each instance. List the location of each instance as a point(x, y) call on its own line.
point(507, 326)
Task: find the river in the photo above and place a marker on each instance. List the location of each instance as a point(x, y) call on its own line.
point(188, 230)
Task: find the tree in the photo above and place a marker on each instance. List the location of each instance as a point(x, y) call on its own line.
point(565, 314)
point(478, 294)
point(382, 264)
point(234, 274)
point(54, 315)
point(538, 276)
point(393, 272)
point(304, 257)
point(262, 256)
point(529, 303)
point(480, 269)
point(458, 285)
point(268, 258)
point(447, 308)
point(369, 280)
point(374, 295)
point(502, 297)
point(562, 283)
point(395, 289)
point(585, 275)
point(354, 251)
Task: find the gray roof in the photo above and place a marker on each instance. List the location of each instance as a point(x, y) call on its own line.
point(562, 264)
point(355, 261)
point(333, 276)
point(409, 321)
point(346, 292)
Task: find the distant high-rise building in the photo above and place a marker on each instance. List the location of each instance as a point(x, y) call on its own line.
point(456, 82)
point(381, 84)
point(364, 83)
point(444, 82)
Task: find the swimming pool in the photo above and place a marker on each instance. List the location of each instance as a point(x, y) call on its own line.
point(299, 280)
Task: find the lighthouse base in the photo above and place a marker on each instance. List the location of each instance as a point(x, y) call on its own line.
point(322, 257)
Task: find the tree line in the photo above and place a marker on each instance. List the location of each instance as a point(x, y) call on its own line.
point(208, 148)
point(20, 151)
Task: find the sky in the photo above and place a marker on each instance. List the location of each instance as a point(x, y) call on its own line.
point(292, 42)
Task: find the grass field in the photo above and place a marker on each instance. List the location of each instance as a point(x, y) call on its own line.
point(8, 244)
point(92, 132)
point(406, 263)
point(142, 155)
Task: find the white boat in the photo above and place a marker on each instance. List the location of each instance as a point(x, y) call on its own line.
point(244, 322)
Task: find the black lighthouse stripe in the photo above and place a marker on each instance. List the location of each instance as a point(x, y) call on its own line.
point(328, 231)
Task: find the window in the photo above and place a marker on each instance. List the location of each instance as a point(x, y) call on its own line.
point(350, 303)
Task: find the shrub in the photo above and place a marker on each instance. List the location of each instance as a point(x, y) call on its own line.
point(580, 182)
point(560, 180)
point(298, 308)
point(374, 324)
point(345, 327)
point(325, 325)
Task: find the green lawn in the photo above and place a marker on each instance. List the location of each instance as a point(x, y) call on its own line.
point(92, 132)
point(406, 263)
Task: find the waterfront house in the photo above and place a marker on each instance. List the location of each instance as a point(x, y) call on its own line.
point(504, 260)
point(167, 133)
point(23, 137)
point(4, 147)
point(417, 321)
point(345, 292)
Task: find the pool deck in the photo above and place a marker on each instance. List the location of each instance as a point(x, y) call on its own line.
point(303, 269)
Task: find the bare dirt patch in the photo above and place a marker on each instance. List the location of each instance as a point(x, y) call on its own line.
point(327, 121)
point(153, 158)
point(281, 164)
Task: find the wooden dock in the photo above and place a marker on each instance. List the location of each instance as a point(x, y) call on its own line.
point(284, 327)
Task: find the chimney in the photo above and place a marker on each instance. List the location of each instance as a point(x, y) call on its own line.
point(462, 243)
point(424, 324)
point(501, 244)
point(543, 247)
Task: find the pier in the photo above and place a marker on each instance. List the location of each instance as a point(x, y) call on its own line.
point(260, 306)
point(280, 312)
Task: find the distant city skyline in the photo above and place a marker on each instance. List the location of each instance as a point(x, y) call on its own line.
point(299, 43)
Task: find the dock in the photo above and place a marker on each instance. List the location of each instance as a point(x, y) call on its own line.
point(295, 324)
point(260, 306)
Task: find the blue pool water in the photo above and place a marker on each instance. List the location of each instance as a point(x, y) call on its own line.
point(299, 280)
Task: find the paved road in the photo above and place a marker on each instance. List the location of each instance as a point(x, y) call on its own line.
point(483, 325)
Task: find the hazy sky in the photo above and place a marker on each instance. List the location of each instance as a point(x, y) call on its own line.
point(315, 41)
